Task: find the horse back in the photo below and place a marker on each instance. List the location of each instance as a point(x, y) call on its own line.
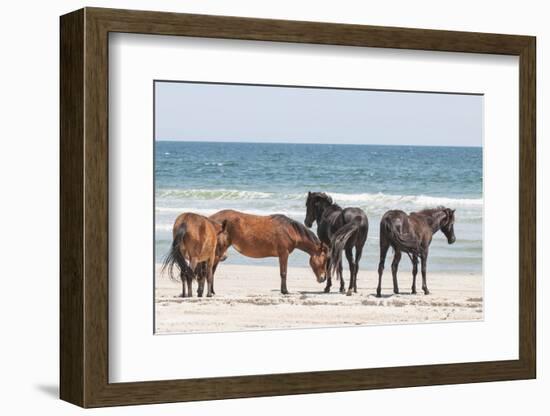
point(252, 235)
point(410, 226)
point(422, 227)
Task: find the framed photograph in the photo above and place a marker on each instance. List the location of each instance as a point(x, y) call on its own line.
point(255, 207)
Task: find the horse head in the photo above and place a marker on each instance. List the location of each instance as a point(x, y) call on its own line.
point(223, 242)
point(315, 204)
point(447, 225)
point(318, 262)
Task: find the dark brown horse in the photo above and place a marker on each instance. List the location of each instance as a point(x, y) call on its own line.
point(273, 236)
point(341, 229)
point(412, 234)
point(197, 240)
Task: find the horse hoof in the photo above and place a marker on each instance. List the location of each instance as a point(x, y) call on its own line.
point(378, 294)
point(342, 290)
point(209, 295)
point(284, 292)
point(349, 293)
point(396, 292)
point(426, 292)
point(413, 292)
point(327, 289)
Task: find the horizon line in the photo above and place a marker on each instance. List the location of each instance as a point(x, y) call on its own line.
point(310, 143)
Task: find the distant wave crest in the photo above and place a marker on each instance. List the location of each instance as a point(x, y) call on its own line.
point(421, 200)
point(362, 198)
point(213, 194)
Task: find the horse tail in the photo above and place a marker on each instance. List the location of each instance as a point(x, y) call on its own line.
point(341, 238)
point(174, 256)
point(396, 239)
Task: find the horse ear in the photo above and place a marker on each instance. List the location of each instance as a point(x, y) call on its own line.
point(453, 211)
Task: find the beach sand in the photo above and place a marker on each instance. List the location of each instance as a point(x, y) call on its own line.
point(248, 298)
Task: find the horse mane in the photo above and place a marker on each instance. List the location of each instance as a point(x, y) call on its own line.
point(431, 211)
point(299, 228)
point(325, 197)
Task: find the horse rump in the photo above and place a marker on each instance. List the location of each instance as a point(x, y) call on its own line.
point(390, 229)
point(358, 228)
point(174, 256)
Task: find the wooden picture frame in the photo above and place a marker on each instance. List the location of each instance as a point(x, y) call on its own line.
point(84, 207)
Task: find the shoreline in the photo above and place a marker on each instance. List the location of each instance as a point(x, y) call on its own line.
point(248, 298)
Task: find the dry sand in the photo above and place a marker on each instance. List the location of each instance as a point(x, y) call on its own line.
point(248, 298)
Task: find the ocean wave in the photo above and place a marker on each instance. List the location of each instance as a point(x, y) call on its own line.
point(421, 200)
point(232, 194)
point(375, 198)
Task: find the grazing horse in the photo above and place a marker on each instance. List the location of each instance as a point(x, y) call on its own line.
point(412, 234)
point(341, 229)
point(273, 236)
point(196, 240)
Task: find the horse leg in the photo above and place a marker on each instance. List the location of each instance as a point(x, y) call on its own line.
point(358, 254)
point(213, 274)
point(384, 246)
point(394, 266)
point(340, 272)
point(423, 262)
point(415, 271)
point(199, 274)
point(200, 289)
point(283, 263)
point(189, 285)
point(201, 278)
point(183, 282)
point(349, 257)
point(196, 273)
point(329, 278)
point(209, 279)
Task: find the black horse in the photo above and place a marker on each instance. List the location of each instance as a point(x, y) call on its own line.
point(341, 229)
point(412, 234)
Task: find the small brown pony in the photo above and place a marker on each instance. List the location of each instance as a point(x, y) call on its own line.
point(273, 236)
point(412, 234)
point(196, 240)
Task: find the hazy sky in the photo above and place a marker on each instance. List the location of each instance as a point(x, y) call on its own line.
point(221, 112)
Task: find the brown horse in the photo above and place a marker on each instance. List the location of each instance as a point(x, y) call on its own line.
point(273, 236)
point(412, 234)
point(196, 240)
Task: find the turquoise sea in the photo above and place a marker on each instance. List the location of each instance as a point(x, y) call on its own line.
point(268, 178)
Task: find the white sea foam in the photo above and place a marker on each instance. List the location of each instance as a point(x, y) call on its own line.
point(375, 198)
point(232, 194)
point(422, 200)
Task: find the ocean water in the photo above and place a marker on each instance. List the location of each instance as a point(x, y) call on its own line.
point(269, 178)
